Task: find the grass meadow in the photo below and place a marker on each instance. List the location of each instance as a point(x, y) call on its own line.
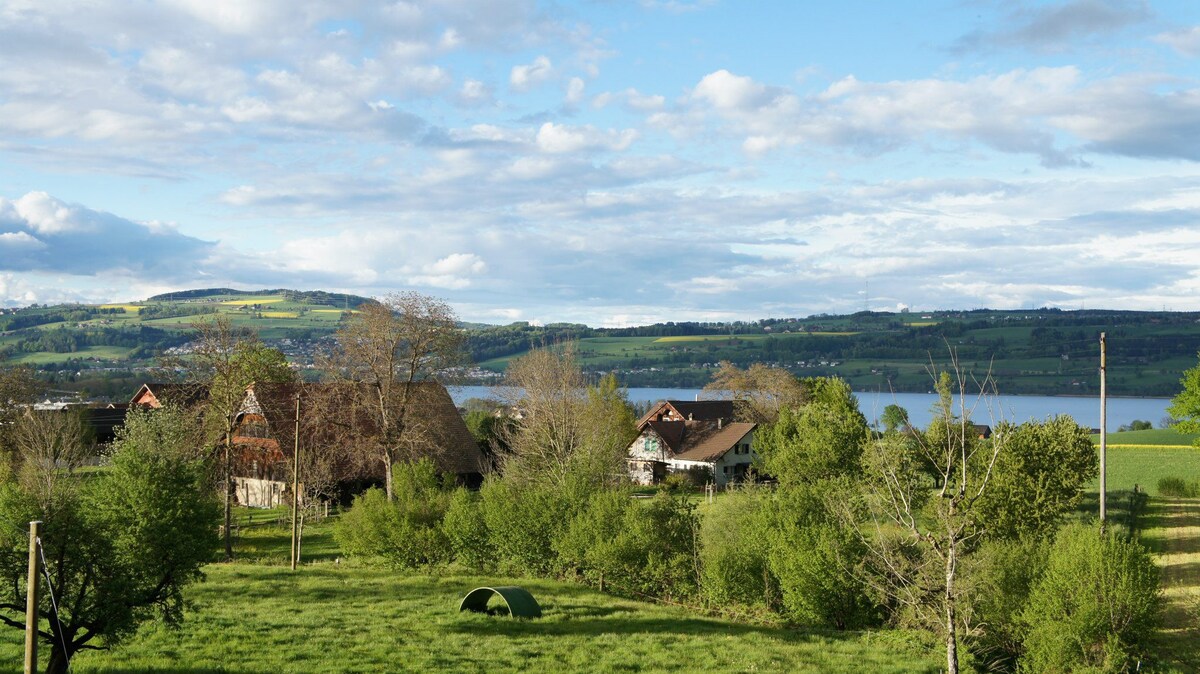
point(256, 616)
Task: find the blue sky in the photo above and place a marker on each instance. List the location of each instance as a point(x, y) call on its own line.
point(610, 162)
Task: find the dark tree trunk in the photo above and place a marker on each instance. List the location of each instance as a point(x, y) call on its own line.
point(59, 659)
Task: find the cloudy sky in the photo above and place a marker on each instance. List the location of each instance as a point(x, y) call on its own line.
point(613, 162)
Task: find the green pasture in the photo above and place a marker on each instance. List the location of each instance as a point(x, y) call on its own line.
point(255, 616)
point(1145, 466)
point(43, 357)
point(1164, 437)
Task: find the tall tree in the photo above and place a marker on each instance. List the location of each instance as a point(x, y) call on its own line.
point(226, 360)
point(916, 529)
point(384, 351)
point(759, 392)
point(121, 546)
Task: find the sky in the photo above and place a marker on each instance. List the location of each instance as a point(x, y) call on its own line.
point(611, 162)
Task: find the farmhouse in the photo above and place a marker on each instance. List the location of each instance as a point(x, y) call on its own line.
point(683, 436)
point(265, 437)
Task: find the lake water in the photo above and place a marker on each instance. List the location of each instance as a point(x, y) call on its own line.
point(1016, 408)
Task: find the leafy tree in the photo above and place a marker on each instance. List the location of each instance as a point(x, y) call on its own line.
point(385, 350)
point(1185, 406)
point(1094, 608)
point(225, 361)
point(405, 532)
point(821, 440)
point(894, 418)
point(735, 544)
point(1038, 478)
point(120, 547)
point(817, 558)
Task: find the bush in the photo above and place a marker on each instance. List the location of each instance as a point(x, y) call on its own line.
point(644, 547)
point(1177, 487)
point(999, 578)
point(1095, 606)
point(734, 550)
point(524, 522)
point(818, 561)
point(404, 533)
point(466, 530)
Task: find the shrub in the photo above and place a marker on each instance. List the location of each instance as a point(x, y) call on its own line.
point(998, 578)
point(645, 547)
point(818, 561)
point(1177, 487)
point(466, 530)
point(405, 533)
point(524, 522)
point(734, 550)
point(1095, 606)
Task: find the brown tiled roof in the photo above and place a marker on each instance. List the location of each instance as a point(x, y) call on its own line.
point(432, 416)
point(699, 440)
point(708, 441)
point(671, 433)
point(696, 410)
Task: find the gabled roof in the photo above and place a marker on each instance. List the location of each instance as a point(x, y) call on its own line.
point(440, 432)
point(694, 410)
point(699, 440)
point(156, 395)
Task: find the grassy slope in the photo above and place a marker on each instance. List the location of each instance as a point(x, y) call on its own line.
point(256, 616)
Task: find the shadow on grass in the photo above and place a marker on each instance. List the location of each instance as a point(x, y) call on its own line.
point(554, 623)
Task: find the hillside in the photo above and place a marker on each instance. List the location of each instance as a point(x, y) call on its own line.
point(1041, 351)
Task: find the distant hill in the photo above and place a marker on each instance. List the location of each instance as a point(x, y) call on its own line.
point(1043, 351)
point(342, 300)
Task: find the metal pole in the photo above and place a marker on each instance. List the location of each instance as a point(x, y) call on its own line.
point(1103, 430)
point(296, 486)
point(31, 601)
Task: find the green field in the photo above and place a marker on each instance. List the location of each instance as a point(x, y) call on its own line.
point(256, 616)
point(1162, 437)
point(97, 352)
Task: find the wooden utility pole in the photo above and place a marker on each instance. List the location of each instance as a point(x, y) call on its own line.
point(296, 487)
point(1103, 430)
point(31, 601)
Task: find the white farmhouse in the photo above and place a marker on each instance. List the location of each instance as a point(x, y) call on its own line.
point(682, 435)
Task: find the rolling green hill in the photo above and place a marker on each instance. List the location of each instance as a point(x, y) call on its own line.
point(1044, 351)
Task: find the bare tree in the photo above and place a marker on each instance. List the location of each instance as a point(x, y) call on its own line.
point(565, 428)
point(49, 447)
point(758, 392)
point(917, 532)
point(225, 361)
point(385, 350)
point(18, 389)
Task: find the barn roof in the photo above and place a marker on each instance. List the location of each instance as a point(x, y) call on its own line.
point(439, 429)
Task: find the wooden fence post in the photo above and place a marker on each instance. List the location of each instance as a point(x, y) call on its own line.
point(31, 601)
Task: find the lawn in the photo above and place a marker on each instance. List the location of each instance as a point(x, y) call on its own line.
point(256, 616)
point(1145, 466)
point(1157, 437)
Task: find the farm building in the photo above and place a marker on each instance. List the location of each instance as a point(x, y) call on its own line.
point(265, 437)
point(682, 436)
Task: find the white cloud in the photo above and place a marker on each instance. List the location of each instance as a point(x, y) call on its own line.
point(1186, 41)
point(575, 89)
point(528, 76)
point(559, 138)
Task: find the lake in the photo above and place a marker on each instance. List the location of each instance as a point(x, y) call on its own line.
point(1016, 408)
